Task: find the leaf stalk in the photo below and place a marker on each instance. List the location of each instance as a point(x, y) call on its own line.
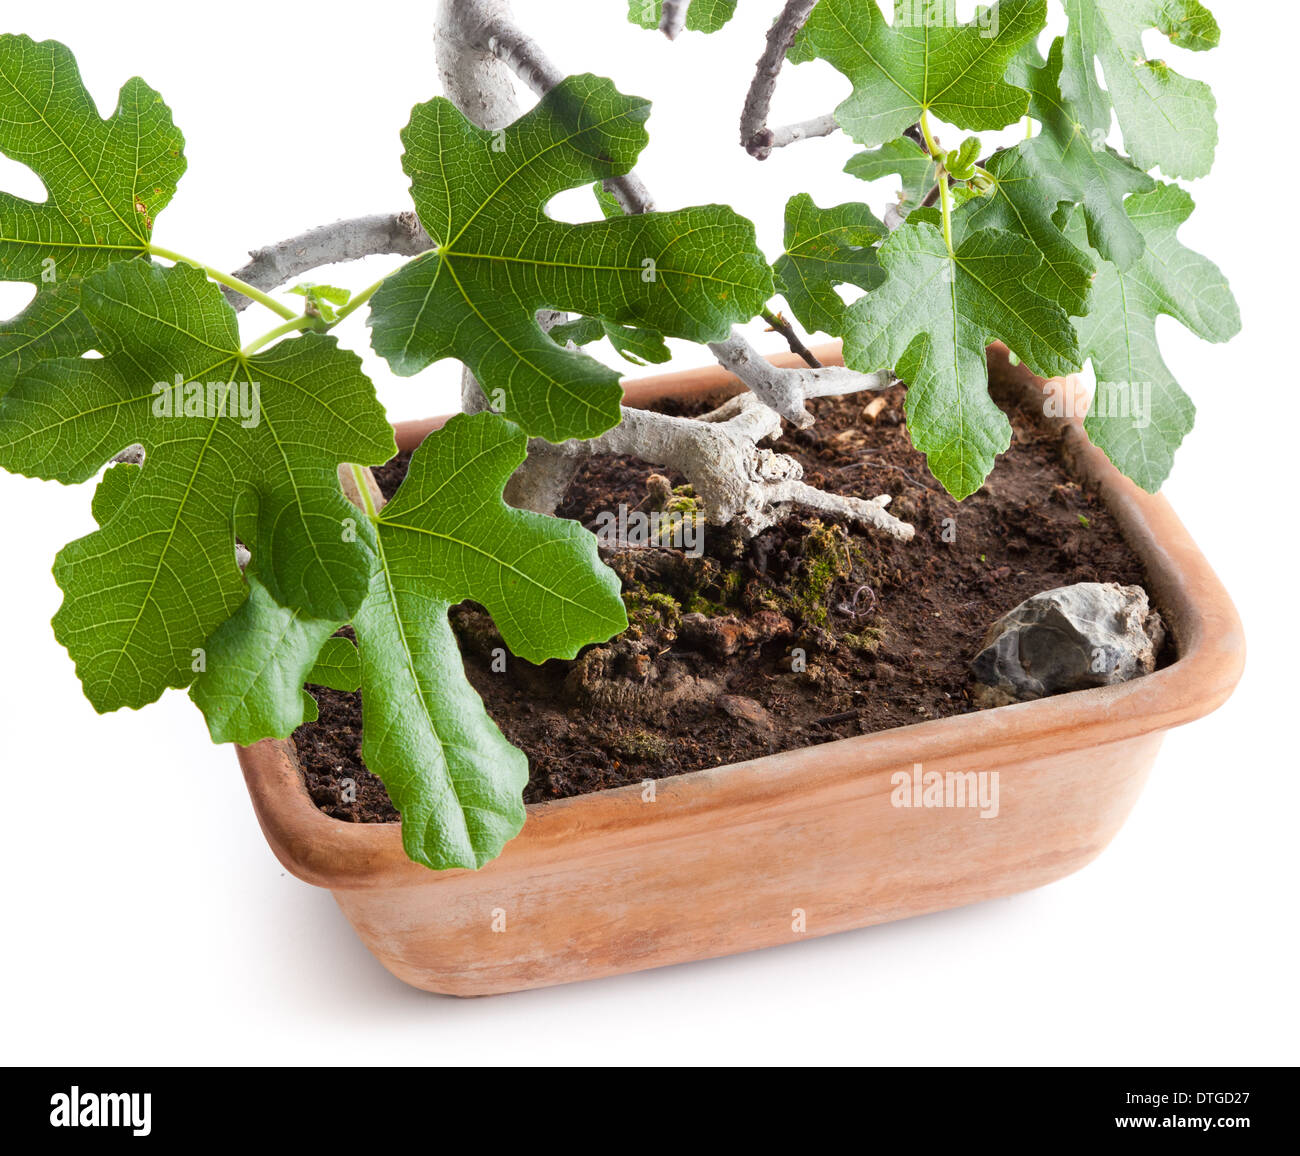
point(945, 197)
point(227, 280)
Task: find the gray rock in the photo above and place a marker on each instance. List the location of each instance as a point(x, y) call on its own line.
point(1070, 638)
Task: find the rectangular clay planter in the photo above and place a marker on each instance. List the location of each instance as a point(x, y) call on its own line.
point(725, 860)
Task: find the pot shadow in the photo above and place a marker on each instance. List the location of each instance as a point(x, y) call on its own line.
point(358, 986)
point(323, 963)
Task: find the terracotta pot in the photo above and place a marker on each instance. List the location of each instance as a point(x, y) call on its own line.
point(799, 844)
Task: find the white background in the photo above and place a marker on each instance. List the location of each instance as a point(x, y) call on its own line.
point(147, 922)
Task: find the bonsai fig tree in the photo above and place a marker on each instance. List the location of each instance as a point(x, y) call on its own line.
point(239, 528)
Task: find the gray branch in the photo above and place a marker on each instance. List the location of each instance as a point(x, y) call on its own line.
point(786, 390)
point(755, 136)
point(673, 19)
point(485, 28)
point(473, 77)
point(738, 481)
point(778, 138)
point(348, 240)
point(479, 48)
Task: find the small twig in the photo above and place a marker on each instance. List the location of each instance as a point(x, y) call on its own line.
point(843, 716)
point(757, 138)
point(768, 139)
point(919, 484)
point(792, 338)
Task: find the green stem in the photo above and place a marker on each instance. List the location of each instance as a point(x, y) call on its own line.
point(359, 300)
point(929, 140)
point(945, 198)
point(359, 476)
point(297, 322)
point(291, 326)
point(780, 325)
point(228, 281)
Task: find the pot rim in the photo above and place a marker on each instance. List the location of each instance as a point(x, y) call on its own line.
point(341, 855)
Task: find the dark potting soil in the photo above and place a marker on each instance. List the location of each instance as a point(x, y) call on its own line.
point(811, 632)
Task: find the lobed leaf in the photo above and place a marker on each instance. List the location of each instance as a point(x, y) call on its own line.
point(931, 322)
point(916, 65)
point(498, 258)
point(106, 181)
point(446, 536)
point(1166, 119)
point(825, 248)
point(1140, 414)
point(149, 587)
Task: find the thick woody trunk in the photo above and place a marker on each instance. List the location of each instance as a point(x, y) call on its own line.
point(482, 87)
point(479, 51)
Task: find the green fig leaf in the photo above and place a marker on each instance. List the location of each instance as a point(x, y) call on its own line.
point(917, 65)
point(1140, 413)
point(106, 182)
point(825, 248)
point(446, 536)
point(498, 258)
point(931, 322)
point(235, 445)
point(1166, 119)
